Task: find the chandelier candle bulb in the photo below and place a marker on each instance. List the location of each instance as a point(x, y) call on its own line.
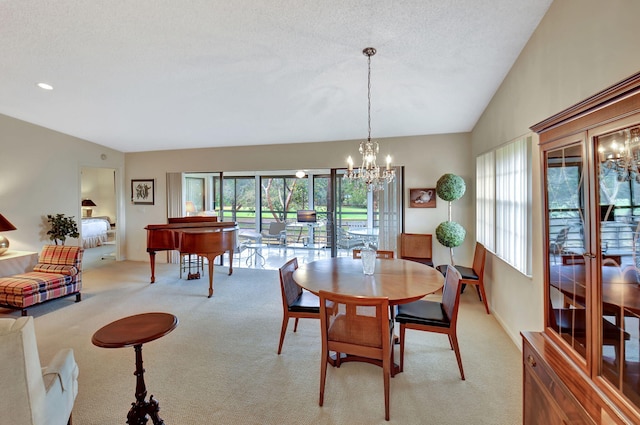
point(388, 162)
point(350, 163)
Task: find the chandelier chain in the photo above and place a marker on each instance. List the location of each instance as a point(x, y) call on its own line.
point(369, 172)
point(369, 96)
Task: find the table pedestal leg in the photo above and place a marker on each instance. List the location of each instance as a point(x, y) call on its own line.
point(140, 409)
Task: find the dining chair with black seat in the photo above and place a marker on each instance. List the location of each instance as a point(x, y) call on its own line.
point(356, 326)
point(382, 254)
point(433, 316)
point(417, 247)
point(297, 303)
point(473, 275)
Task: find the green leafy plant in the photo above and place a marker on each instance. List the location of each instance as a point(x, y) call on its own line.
point(450, 234)
point(61, 228)
point(450, 187)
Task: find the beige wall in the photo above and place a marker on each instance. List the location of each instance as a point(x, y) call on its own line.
point(579, 48)
point(40, 175)
point(425, 158)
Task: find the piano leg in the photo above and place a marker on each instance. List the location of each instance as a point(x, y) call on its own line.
point(230, 262)
point(211, 276)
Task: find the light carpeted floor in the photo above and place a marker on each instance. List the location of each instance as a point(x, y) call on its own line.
point(219, 366)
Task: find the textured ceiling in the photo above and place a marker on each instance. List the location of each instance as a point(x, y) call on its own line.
point(143, 75)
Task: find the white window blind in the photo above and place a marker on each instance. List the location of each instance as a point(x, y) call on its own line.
point(513, 203)
point(503, 196)
point(485, 200)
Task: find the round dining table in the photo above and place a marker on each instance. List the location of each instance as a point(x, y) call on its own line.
point(400, 281)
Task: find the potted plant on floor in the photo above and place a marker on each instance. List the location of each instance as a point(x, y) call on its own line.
point(61, 228)
point(450, 187)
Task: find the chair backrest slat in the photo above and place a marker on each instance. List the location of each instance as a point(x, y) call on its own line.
point(416, 245)
point(357, 312)
point(451, 294)
point(478, 259)
point(385, 255)
point(290, 289)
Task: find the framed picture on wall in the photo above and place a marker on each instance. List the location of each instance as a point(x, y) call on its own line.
point(422, 198)
point(143, 191)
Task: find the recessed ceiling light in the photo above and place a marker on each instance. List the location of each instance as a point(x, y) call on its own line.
point(300, 174)
point(45, 86)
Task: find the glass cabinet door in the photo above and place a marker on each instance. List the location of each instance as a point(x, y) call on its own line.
point(565, 179)
point(618, 182)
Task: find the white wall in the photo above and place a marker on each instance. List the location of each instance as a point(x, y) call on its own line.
point(579, 48)
point(40, 175)
point(425, 158)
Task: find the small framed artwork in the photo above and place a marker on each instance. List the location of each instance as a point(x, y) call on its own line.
point(422, 198)
point(143, 191)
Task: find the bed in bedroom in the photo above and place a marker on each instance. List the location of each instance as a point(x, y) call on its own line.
point(94, 231)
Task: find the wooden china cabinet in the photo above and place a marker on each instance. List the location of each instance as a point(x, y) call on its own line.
point(585, 366)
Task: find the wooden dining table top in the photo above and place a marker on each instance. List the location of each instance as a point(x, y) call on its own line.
point(620, 287)
point(401, 281)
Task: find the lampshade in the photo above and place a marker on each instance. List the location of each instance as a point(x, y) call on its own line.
point(5, 226)
point(88, 203)
point(190, 207)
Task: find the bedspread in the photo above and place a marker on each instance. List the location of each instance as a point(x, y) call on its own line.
point(94, 231)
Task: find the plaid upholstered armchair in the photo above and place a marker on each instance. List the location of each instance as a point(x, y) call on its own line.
point(57, 274)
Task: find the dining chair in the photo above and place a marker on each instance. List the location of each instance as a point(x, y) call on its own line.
point(557, 246)
point(433, 316)
point(385, 255)
point(475, 275)
point(417, 247)
point(297, 303)
point(571, 323)
point(357, 326)
point(276, 233)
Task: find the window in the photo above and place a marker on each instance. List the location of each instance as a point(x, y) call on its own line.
point(485, 200)
point(504, 201)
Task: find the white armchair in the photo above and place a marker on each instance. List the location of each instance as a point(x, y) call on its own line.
point(31, 394)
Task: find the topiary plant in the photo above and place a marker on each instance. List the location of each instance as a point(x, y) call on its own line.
point(450, 187)
point(450, 234)
point(61, 227)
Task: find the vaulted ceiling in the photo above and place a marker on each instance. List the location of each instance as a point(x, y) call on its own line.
point(159, 74)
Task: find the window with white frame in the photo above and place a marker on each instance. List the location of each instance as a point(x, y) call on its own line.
point(503, 221)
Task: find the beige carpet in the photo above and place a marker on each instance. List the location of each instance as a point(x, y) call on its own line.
point(219, 366)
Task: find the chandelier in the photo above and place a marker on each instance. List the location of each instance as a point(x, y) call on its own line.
point(623, 158)
point(369, 172)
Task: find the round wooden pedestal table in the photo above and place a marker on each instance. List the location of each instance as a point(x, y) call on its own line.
point(135, 331)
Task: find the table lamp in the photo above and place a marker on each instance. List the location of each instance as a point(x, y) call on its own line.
point(5, 226)
point(88, 203)
point(190, 208)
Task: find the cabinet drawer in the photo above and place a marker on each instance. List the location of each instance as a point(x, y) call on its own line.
point(546, 398)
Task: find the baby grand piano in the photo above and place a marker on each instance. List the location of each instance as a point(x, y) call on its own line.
point(203, 236)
